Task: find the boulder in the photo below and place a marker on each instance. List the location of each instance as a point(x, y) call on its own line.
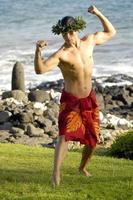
point(6, 126)
point(53, 109)
point(38, 96)
point(4, 116)
point(100, 100)
point(32, 131)
point(17, 132)
point(45, 123)
point(25, 117)
point(4, 135)
point(16, 94)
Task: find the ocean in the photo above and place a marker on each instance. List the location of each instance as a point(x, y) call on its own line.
point(24, 22)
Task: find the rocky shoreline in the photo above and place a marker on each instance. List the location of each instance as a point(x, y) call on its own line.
point(31, 117)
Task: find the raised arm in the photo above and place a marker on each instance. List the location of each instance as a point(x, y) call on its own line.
point(44, 65)
point(108, 32)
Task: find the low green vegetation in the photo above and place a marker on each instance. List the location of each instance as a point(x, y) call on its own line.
point(123, 146)
point(25, 174)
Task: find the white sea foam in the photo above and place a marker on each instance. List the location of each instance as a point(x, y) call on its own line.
point(26, 57)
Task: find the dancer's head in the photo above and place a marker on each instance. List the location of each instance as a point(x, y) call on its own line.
point(68, 24)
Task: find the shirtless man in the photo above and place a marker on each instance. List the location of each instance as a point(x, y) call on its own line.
point(75, 60)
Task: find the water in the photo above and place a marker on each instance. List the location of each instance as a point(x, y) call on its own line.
point(24, 22)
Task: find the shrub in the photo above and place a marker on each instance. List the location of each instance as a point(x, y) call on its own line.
point(123, 146)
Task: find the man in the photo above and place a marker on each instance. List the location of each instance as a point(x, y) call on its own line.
point(79, 110)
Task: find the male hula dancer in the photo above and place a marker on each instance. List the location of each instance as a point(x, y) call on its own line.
point(79, 110)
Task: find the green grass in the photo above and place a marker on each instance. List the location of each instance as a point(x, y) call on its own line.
point(25, 174)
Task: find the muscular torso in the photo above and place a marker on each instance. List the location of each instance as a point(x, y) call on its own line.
point(76, 66)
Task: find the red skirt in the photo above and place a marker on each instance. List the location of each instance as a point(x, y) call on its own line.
point(79, 118)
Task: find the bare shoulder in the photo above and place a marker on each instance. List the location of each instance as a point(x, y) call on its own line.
point(60, 50)
point(88, 38)
point(63, 51)
point(58, 53)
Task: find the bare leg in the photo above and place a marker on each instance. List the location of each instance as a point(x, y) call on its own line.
point(86, 156)
point(60, 153)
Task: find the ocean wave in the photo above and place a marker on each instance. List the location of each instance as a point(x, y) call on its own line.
point(26, 57)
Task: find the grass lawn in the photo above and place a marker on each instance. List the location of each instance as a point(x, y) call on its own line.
point(25, 174)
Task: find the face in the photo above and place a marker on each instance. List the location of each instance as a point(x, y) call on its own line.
point(70, 37)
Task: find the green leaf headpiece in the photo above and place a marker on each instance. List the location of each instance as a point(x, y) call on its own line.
point(76, 25)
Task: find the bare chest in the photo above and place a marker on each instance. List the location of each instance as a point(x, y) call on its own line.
point(78, 59)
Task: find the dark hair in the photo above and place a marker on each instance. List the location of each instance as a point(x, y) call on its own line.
point(67, 24)
point(68, 20)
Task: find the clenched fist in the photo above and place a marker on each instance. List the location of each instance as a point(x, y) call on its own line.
point(41, 44)
point(93, 10)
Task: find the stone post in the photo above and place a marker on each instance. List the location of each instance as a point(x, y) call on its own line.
point(18, 80)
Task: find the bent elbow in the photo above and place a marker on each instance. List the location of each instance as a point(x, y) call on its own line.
point(38, 72)
point(113, 33)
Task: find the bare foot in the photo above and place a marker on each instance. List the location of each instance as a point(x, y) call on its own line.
point(84, 172)
point(56, 179)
